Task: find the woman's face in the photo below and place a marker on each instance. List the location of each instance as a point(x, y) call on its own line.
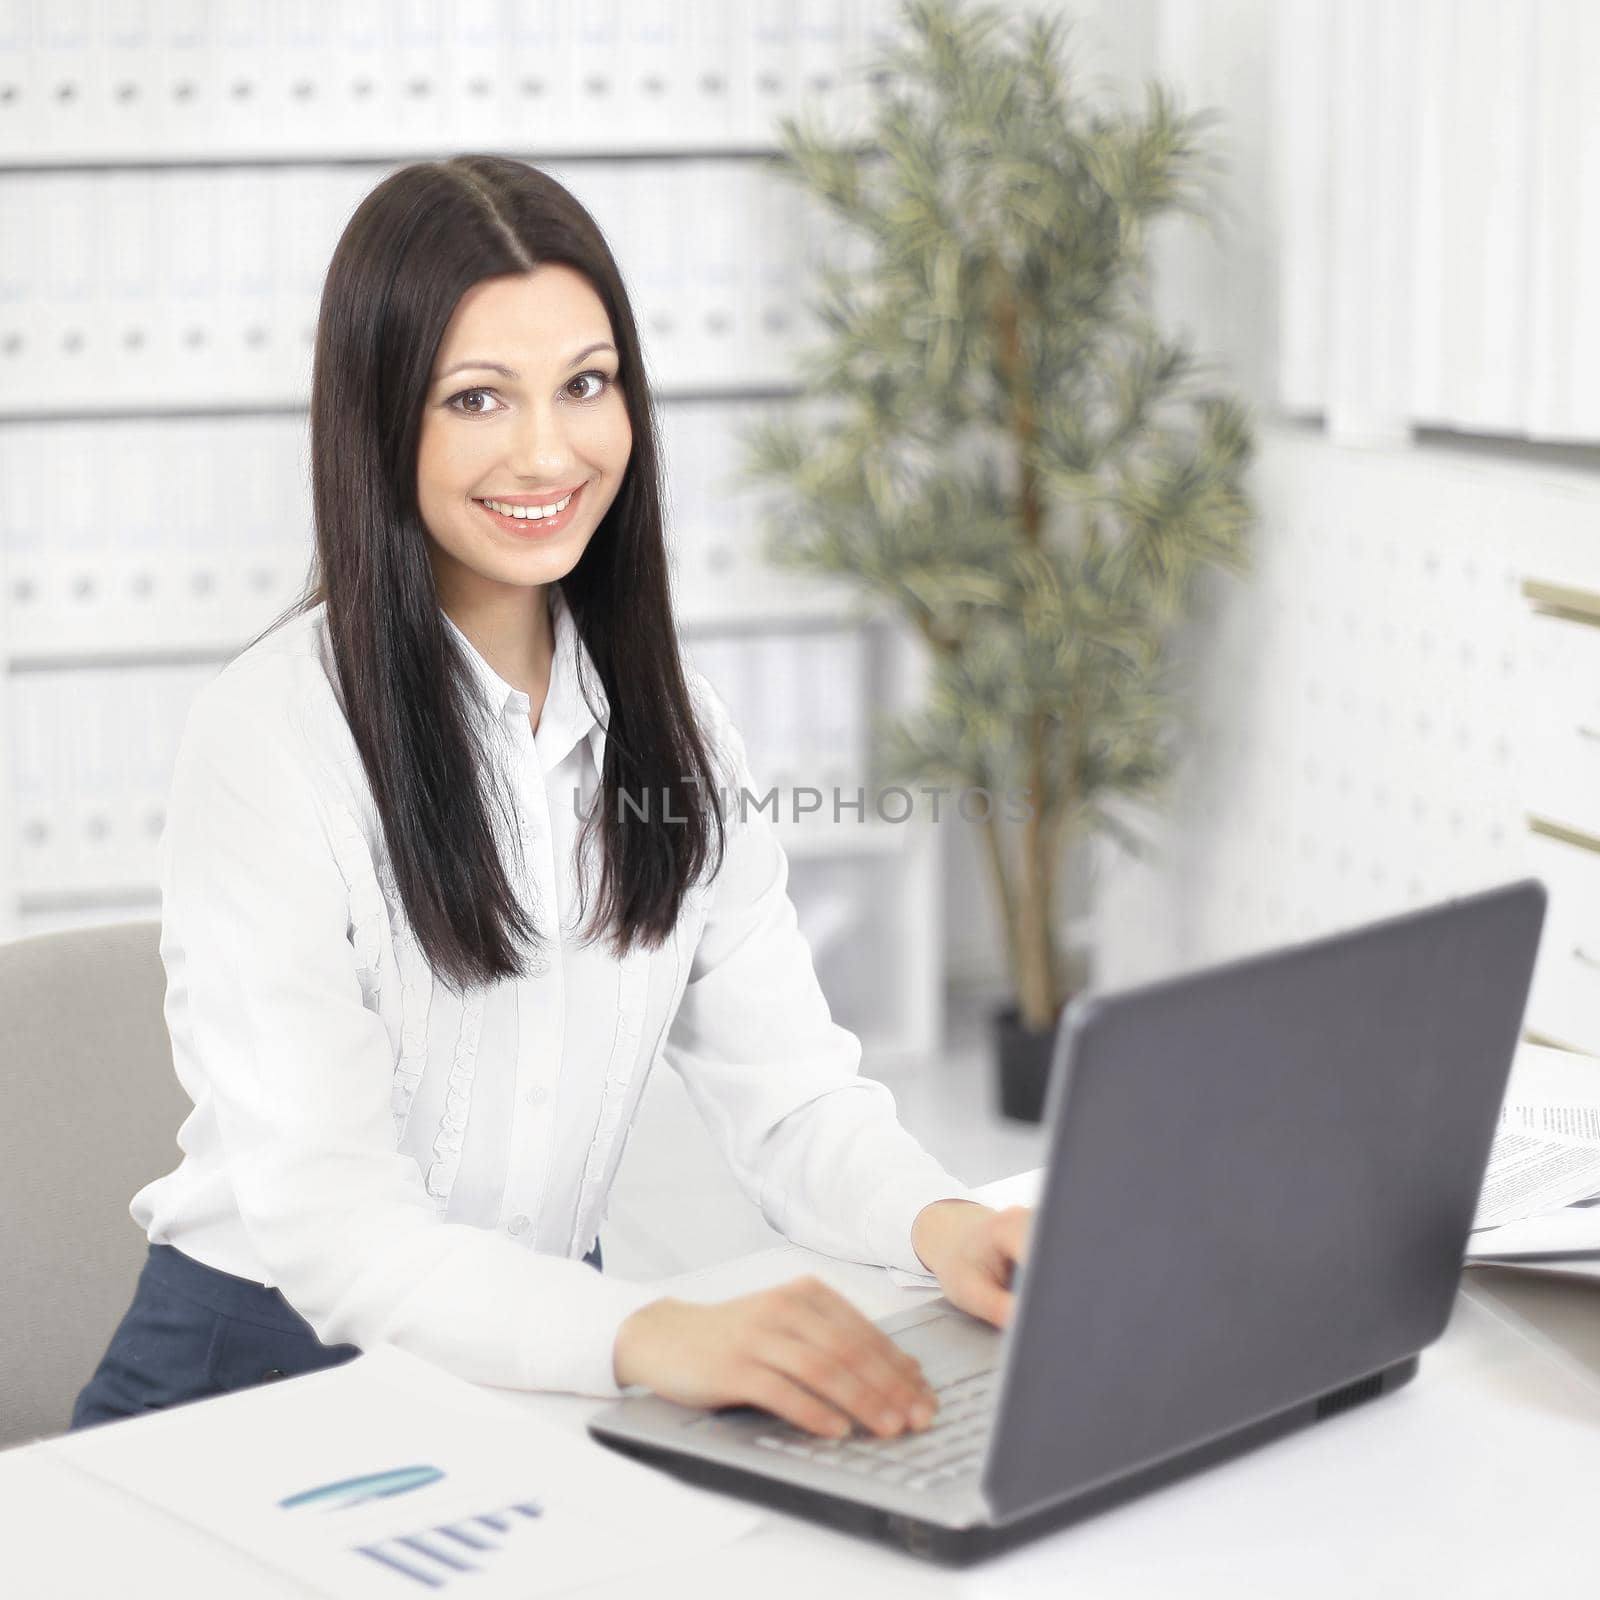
point(553, 420)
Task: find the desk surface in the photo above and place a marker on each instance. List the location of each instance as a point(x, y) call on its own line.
point(1475, 1480)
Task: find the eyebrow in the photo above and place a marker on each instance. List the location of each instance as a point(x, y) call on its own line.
point(506, 372)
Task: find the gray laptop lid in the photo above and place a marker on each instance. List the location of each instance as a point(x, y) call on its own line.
point(1260, 1183)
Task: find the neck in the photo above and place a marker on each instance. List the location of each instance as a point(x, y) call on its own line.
point(513, 630)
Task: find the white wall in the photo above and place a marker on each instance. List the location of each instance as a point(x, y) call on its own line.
point(1369, 698)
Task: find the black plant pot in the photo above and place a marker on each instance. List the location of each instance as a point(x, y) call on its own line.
point(1022, 1064)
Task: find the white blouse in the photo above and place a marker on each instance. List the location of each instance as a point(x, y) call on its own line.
point(408, 1166)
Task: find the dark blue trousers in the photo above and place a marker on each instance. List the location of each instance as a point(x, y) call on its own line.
point(193, 1332)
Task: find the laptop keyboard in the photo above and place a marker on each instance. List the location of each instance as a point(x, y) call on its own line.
point(950, 1448)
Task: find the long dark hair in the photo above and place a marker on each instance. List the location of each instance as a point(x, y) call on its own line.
point(414, 246)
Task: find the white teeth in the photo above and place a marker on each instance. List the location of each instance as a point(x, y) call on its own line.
point(528, 513)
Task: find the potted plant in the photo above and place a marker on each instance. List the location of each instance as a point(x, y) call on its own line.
point(1008, 450)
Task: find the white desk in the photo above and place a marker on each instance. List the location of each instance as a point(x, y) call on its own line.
point(1477, 1479)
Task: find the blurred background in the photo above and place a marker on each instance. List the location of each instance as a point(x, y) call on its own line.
point(1396, 702)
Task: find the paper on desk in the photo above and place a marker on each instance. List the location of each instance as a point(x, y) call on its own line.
point(1578, 1122)
point(1586, 1267)
point(1530, 1173)
point(1573, 1227)
point(387, 1476)
point(1551, 1092)
point(1543, 1075)
point(1020, 1189)
point(1566, 1242)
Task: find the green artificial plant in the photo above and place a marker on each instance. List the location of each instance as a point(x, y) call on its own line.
point(1015, 457)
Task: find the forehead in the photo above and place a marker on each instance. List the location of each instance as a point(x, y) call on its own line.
point(539, 316)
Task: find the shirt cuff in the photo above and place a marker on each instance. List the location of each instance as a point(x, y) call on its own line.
point(894, 1208)
point(579, 1355)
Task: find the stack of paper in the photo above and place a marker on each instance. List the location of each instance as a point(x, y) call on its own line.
point(1540, 1208)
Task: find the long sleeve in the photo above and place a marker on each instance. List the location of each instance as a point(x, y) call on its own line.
point(297, 1071)
point(816, 1146)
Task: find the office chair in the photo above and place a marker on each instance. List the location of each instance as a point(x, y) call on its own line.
point(92, 1107)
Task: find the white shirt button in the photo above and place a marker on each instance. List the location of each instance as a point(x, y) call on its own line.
point(516, 1225)
point(537, 1097)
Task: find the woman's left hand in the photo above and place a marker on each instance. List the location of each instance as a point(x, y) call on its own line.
point(972, 1251)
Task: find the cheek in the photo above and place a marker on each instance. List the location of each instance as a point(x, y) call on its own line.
point(445, 462)
point(615, 439)
point(612, 452)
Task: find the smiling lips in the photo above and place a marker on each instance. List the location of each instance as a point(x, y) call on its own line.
point(524, 514)
point(534, 508)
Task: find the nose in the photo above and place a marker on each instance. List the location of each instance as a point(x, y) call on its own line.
point(540, 449)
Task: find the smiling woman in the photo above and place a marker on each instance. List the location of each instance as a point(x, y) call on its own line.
point(413, 1063)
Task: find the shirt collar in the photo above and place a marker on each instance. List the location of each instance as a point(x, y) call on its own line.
point(566, 717)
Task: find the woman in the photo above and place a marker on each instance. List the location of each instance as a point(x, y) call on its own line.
point(388, 818)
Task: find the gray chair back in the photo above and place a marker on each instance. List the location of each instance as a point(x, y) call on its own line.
point(92, 1108)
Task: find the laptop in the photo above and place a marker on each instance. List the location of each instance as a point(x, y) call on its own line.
point(1258, 1190)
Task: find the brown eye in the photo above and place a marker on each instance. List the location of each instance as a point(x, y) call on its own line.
point(469, 411)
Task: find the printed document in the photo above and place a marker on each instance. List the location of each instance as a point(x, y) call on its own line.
point(1530, 1173)
point(388, 1477)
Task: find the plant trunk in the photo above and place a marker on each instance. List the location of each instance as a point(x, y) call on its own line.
point(1004, 899)
point(1035, 967)
point(1033, 947)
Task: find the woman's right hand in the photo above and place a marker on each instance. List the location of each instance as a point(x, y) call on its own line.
point(799, 1350)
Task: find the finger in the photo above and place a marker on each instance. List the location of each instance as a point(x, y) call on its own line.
point(831, 1304)
point(1015, 1225)
point(770, 1389)
point(1009, 1234)
point(872, 1358)
point(834, 1381)
point(984, 1297)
